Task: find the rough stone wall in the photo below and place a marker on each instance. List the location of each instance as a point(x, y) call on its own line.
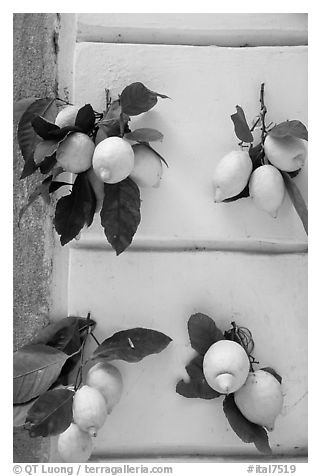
point(34, 74)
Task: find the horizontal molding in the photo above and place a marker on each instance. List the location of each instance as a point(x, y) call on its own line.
point(150, 244)
point(190, 458)
point(201, 29)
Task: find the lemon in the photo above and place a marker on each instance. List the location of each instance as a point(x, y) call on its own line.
point(108, 380)
point(74, 445)
point(286, 153)
point(148, 169)
point(231, 174)
point(226, 366)
point(98, 187)
point(89, 409)
point(113, 159)
point(75, 153)
point(267, 189)
point(67, 116)
point(260, 399)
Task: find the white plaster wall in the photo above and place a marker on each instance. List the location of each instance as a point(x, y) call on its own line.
point(253, 269)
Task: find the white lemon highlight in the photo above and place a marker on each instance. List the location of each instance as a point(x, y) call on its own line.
point(148, 169)
point(107, 379)
point(231, 175)
point(74, 445)
point(226, 366)
point(113, 159)
point(67, 116)
point(286, 153)
point(75, 153)
point(89, 409)
point(260, 399)
point(267, 189)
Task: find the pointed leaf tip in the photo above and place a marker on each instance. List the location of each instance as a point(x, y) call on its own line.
point(241, 127)
point(247, 431)
point(203, 332)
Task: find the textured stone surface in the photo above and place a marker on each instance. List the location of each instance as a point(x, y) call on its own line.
point(34, 74)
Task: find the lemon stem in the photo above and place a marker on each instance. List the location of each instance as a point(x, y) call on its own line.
point(81, 364)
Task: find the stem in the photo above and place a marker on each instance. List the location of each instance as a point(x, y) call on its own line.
point(262, 114)
point(93, 336)
point(79, 373)
point(122, 125)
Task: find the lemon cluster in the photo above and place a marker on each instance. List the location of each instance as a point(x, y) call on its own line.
point(266, 185)
point(257, 395)
point(108, 160)
point(91, 405)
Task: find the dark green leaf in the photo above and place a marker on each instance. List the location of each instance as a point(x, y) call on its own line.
point(85, 119)
point(20, 413)
point(48, 164)
point(27, 136)
point(297, 200)
point(145, 135)
point(51, 414)
point(45, 148)
point(294, 174)
point(248, 432)
point(241, 127)
point(136, 98)
point(203, 332)
point(20, 106)
point(257, 154)
point(132, 345)
point(120, 213)
point(35, 368)
point(75, 210)
point(290, 128)
point(197, 387)
point(274, 373)
point(56, 185)
point(244, 194)
point(44, 128)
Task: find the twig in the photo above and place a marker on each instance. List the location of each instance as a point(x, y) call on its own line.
point(262, 114)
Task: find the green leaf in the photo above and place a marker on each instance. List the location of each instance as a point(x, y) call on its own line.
point(120, 213)
point(145, 135)
point(27, 137)
point(51, 414)
point(35, 369)
point(132, 345)
point(20, 106)
point(44, 128)
point(45, 148)
point(290, 128)
point(241, 127)
point(257, 154)
point(75, 210)
point(247, 431)
point(197, 387)
point(136, 99)
point(20, 413)
point(85, 118)
point(203, 332)
point(274, 373)
point(297, 200)
point(244, 194)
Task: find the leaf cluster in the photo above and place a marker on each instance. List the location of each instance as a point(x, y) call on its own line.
point(203, 333)
point(289, 128)
point(39, 139)
point(42, 394)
